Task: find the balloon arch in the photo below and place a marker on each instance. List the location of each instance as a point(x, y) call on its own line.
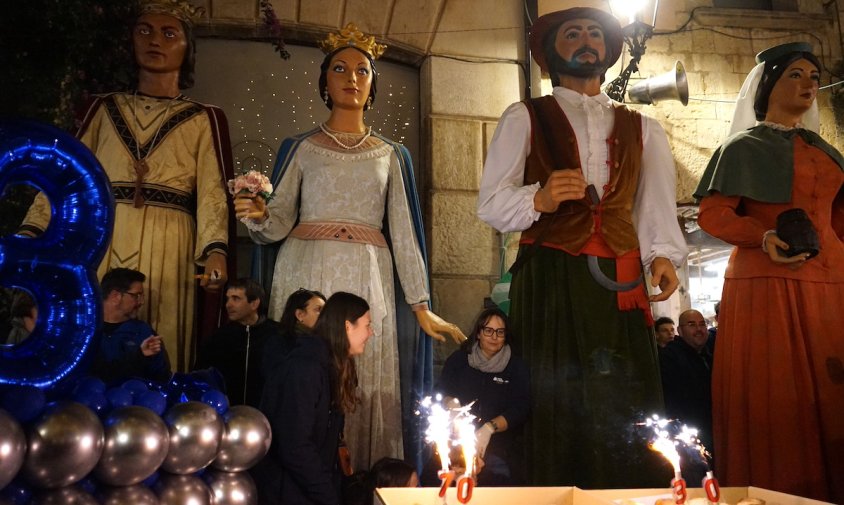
point(64, 436)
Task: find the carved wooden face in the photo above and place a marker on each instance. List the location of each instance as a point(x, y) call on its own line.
point(349, 79)
point(796, 89)
point(159, 43)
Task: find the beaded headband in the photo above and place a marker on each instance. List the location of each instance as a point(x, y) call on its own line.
point(350, 36)
point(179, 9)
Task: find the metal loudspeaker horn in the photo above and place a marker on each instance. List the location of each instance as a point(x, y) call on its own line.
point(671, 85)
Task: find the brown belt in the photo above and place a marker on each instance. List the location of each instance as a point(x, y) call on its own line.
point(342, 232)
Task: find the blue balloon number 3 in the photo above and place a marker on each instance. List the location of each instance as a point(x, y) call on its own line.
point(58, 267)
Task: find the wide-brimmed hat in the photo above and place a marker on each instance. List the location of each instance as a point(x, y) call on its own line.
point(547, 26)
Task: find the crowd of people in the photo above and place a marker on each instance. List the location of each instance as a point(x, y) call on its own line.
point(331, 338)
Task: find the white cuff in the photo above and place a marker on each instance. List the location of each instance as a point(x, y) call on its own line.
point(253, 226)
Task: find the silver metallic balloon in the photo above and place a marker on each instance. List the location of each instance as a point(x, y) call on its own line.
point(136, 443)
point(182, 490)
point(129, 495)
point(231, 488)
point(246, 440)
point(195, 434)
point(12, 448)
point(70, 495)
point(65, 444)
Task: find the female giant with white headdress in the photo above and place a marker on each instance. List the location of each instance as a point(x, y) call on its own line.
point(778, 378)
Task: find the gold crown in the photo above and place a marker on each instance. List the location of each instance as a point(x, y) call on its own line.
point(350, 36)
point(179, 9)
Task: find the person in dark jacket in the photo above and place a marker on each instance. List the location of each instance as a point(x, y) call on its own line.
point(306, 396)
point(686, 368)
point(301, 312)
point(128, 347)
point(485, 371)
point(237, 348)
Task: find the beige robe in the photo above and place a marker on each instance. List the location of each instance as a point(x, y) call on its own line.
point(163, 238)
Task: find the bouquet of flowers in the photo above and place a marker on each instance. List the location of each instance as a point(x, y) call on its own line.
point(252, 183)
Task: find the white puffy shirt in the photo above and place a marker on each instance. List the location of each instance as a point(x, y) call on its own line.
point(507, 204)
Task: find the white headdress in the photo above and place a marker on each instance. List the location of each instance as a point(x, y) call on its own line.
point(744, 116)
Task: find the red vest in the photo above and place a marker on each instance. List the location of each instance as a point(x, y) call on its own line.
point(553, 147)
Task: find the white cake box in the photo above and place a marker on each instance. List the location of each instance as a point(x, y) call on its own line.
point(574, 496)
point(729, 495)
point(490, 496)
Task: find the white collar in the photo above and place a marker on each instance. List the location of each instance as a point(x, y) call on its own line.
point(578, 99)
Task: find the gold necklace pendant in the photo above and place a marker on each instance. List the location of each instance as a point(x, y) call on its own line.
point(140, 163)
point(141, 170)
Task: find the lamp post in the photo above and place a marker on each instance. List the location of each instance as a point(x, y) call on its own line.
point(636, 33)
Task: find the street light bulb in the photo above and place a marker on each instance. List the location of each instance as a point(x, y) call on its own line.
point(628, 9)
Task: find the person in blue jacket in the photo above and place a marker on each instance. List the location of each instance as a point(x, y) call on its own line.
point(128, 347)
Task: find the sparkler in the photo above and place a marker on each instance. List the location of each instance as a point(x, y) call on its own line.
point(667, 447)
point(710, 484)
point(448, 428)
point(466, 438)
point(666, 444)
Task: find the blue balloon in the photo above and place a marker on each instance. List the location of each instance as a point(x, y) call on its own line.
point(135, 386)
point(25, 403)
point(152, 400)
point(217, 400)
point(152, 479)
point(59, 267)
point(184, 387)
point(89, 384)
point(89, 485)
point(97, 402)
point(17, 492)
point(118, 397)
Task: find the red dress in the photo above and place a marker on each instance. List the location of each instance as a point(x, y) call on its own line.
point(778, 377)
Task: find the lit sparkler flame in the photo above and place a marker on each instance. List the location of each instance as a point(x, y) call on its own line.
point(661, 442)
point(439, 429)
point(668, 448)
point(666, 442)
point(448, 428)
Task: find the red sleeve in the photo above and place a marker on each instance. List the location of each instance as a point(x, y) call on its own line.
point(838, 215)
point(718, 217)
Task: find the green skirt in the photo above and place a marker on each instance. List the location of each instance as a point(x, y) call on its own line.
point(594, 375)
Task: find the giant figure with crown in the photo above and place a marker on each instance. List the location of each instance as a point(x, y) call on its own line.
point(346, 217)
point(167, 158)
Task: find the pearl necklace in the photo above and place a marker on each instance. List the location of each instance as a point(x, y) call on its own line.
point(326, 131)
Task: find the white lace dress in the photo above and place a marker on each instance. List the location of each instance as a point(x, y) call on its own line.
point(325, 183)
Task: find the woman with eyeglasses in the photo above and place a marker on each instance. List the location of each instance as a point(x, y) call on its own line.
point(485, 371)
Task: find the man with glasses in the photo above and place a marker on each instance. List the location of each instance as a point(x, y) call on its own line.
point(128, 346)
point(686, 368)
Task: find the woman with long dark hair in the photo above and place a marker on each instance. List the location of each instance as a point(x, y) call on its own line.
point(307, 395)
point(301, 312)
point(778, 378)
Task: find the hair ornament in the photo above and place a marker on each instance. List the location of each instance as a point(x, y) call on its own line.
point(351, 36)
point(179, 9)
